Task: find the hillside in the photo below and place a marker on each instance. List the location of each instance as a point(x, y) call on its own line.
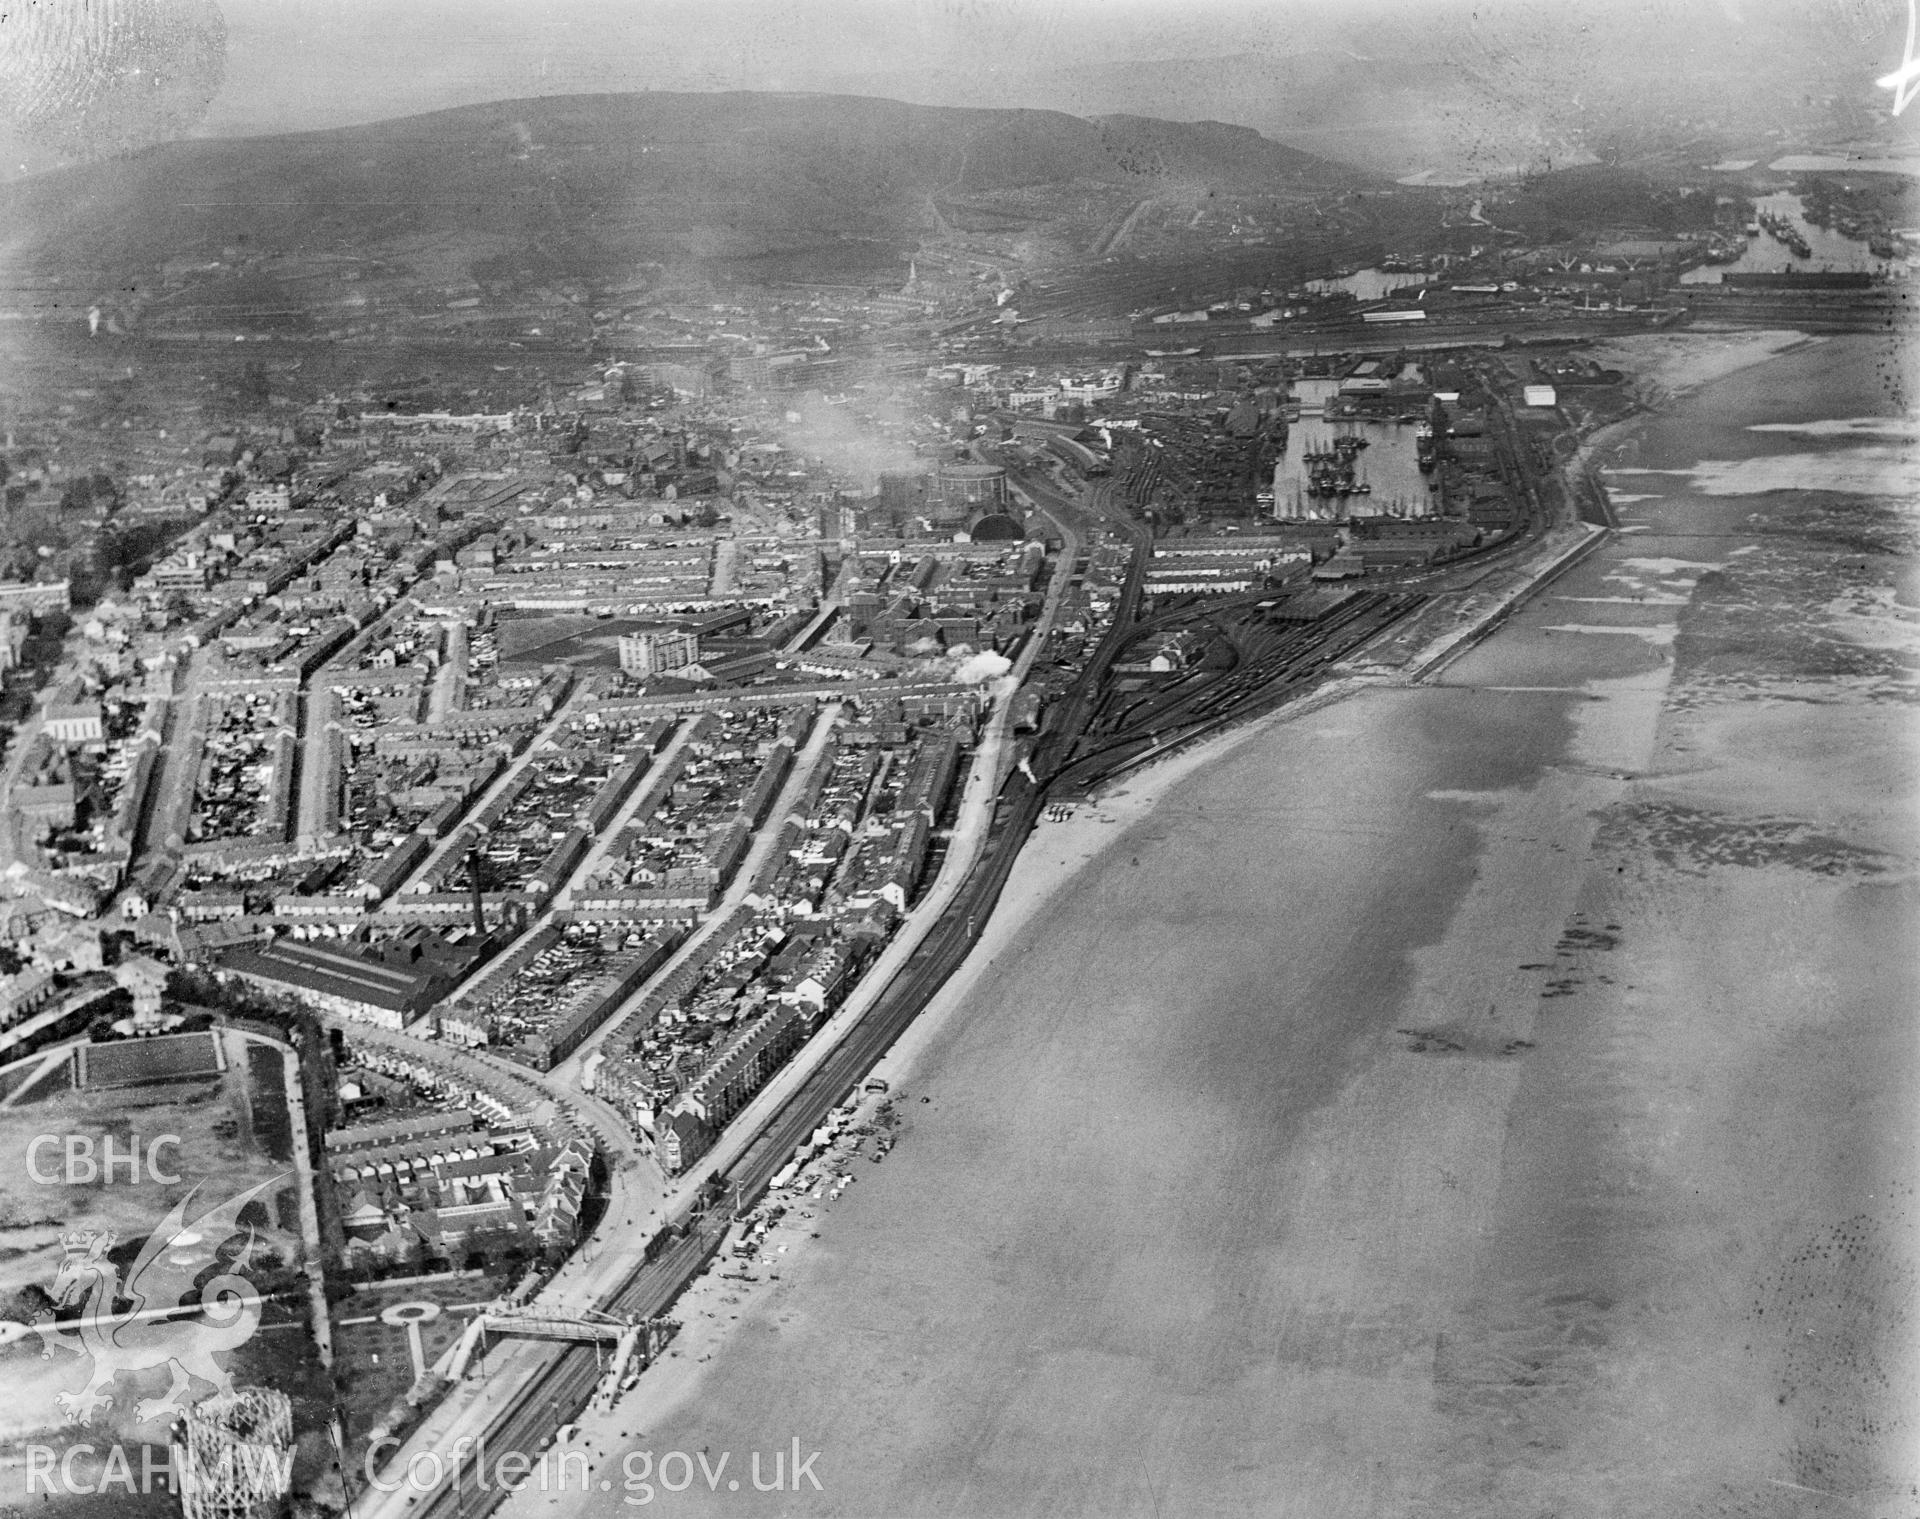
point(584, 183)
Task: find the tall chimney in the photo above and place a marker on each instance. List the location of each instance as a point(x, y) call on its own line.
point(479, 902)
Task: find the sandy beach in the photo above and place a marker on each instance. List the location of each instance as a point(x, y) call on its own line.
point(1489, 1097)
point(1666, 367)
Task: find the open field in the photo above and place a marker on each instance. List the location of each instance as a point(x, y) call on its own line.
point(217, 1148)
point(228, 1133)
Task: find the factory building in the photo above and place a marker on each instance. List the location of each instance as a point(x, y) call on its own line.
point(658, 651)
point(390, 984)
point(962, 491)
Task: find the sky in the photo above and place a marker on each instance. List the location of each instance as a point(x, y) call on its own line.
point(1387, 77)
point(447, 51)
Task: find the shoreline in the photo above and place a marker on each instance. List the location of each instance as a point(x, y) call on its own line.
point(1670, 366)
point(1056, 853)
point(1674, 378)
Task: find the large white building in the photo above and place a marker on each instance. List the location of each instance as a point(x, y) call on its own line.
point(73, 719)
point(658, 651)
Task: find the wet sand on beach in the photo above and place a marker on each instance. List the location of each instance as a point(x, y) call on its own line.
point(1487, 1098)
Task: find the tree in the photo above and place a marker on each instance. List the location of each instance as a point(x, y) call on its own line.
point(493, 1247)
point(121, 552)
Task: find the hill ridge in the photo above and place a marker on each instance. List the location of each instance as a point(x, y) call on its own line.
point(617, 178)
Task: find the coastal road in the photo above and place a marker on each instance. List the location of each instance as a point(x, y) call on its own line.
point(1454, 1042)
point(543, 1384)
point(540, 1384)
point(788, 1108)
point(525, 1389)
point(530, 1387)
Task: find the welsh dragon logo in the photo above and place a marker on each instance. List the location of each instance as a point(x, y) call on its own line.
point(154, 1330)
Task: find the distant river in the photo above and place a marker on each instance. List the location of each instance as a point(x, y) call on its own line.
point(1827, 249)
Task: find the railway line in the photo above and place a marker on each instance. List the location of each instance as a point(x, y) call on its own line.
point(1271, 664)
point(559, 1388)
point(1277, 668)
